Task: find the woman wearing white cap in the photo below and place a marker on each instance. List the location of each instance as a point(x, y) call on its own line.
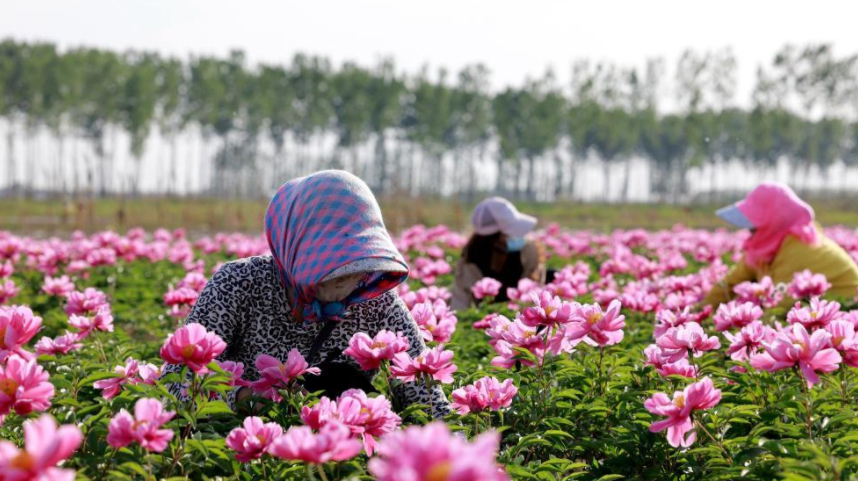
point(499, 249)
point(785, 239)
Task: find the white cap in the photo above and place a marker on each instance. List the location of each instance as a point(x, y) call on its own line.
point(497, 214)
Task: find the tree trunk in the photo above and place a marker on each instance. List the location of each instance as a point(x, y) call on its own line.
point(627, 180)
point(606, 172)
point(531, 179)
point(10, 159)
point(499, 184)
point(381, 162)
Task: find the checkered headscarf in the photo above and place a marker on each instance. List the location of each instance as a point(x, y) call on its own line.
point(319, 223)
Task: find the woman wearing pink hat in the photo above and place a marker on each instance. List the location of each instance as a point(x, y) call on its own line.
point(499, 249)
point(784, 240)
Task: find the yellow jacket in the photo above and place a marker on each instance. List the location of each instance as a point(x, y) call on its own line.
point(827, 258)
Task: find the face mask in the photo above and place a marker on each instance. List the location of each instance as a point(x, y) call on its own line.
point(515, 244)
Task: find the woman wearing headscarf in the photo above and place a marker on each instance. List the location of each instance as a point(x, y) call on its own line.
point(332, 273)
point(784, 239)
point(499, 249)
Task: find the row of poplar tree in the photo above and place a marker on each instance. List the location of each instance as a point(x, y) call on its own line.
point(803, 109)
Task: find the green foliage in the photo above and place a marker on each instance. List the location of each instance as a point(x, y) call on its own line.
point(580, 416)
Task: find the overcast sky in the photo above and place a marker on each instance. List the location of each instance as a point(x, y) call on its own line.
point(515, 39)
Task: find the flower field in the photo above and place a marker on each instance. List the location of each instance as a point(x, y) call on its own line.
point(612, 371)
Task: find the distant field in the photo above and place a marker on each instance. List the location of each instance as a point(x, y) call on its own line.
point(200, 216)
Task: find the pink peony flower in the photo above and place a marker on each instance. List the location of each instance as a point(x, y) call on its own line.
point(58, 286)
point(794, 347)
point(678, 368)
point(485, 393)
point(761, 293)
point(435, 321)
point(548, 310)
point(844, 340)
point(180, 301)
point(334, 442)
point(365, 416)
point(86, 302)
point(17, 326)
point(670, 363)
point(126, 374)
point(597, 328)
point(275, 375)
point(817, 315)
point(735, 315)
point(253, 439)
point(149, 373)
point(369, 352)
point(689, 336)
point(61, 345)
point(486, 287)
point(522, 292)
point(24, 387)
point(436, 363)
point(45, 446)
point(320, 413)
point(431, 293)
point(667, 318)
point(192, 346)
point(432, 452)
point(193, 280)
point(507, 335)
point(485, 322)
point(8, 290)
point(806, 284)
point(679, 410)
point(6, 269)
point(143, 428)
point(748, 341)
point(101, 321)
point(234, 370)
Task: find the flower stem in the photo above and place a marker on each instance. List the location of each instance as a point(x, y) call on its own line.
point(807, 408)
point(321, 470)
point(385, 372)
point(599, 378)
point(844, 386)
point(717, 442)
point(149, 468)
point(427, 381)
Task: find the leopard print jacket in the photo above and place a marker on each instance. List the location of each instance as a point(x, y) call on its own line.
point(245, 304)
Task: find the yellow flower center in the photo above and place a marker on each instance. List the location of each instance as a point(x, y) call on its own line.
point(439, 472)
point(814, 315)
point(188, 351)
point(138, 423)
point(378, 345)
point(3, 337)
point(23, 461)
point(261, 438)
point(836, 340)
point(8, 386)
point(548, 310)
point(679, 401)
point(594, 317)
